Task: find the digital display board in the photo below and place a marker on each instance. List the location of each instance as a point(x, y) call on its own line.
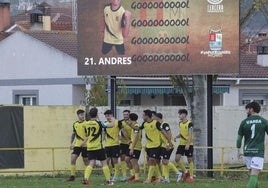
point(158, 37)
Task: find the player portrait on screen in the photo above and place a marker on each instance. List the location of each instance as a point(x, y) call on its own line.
point(116, 24)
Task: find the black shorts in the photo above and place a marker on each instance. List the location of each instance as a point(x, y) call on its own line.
point(165, 154)
point(96, 155)
point(124, 149)
point(188, 153)
point(153, 152)
point(78, 150)
point(112, 151)
point(136, 154)
point(106, 48)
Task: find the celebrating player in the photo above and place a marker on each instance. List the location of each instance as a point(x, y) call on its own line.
point(115, 27)
point(253, 130)
point(112, 148)
point(124, 144)
point(186, 145)
point(95, 149)
point(153, 132)
point(135, 147)
point(77, 138)
point(165, 151)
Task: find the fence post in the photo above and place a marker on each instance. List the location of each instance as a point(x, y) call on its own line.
point(222, 160)
point(53, 162)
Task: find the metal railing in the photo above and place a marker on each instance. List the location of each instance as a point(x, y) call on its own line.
point(221, 167)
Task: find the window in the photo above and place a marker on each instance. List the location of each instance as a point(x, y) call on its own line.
point(246, 101)
point(26, 97)
point(248, 95)
point(29, 100)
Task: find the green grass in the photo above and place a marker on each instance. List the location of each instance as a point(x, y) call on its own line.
point(232, 180)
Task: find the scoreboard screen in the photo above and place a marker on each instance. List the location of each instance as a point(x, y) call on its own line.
point(158, 37)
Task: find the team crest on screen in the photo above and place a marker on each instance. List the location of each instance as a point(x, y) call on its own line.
point(117, 18)
point(215, 40)
point(215, 44)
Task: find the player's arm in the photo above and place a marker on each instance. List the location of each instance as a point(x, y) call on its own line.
point(125, 135)
point(160, 128)
point(125, 24)
point(72, 140)
point(190, 137)
point(83, 144)
point(134, 142)
point(239, 141)
point(177, 136)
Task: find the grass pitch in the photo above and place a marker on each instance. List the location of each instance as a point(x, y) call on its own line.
point(235, 180)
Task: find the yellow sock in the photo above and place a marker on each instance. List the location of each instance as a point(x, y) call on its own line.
point(181, 165)
point(173, 167)
point(106, 172)
point(151, 171)
point(73, 169)
point(132, 171)
point(88, 171)
point(191, 169)
point(158, 171)
point(124, 168)
point(137, 176)
point(116, 169)
point(165, 171)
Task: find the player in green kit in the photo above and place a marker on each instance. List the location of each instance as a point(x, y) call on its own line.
point(253, 130)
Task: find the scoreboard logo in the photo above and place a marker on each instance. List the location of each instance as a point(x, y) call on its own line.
point(215, 6)
point(214, 2)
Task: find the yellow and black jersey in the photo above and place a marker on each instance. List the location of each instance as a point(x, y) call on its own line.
point(93, 130)
point(79, 131)
point(152, 133)
point(165, 126)
point(113, 30)
point(134, 132)
point(112, 134)
point(127, 129)
point(185, 128)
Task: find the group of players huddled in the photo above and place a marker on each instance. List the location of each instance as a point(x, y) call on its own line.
point(107, 141)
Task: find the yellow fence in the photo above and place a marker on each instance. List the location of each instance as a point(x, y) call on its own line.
point(51, 156)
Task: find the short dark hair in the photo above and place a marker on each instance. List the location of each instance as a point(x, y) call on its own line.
point(183, 111)
point(93, 112)
point(80, 111)
point(108, 112)
point(255, 106)
point(133, 117)
point(148, 113)
point(128, 111)
point(153, 112)
point(159, 115)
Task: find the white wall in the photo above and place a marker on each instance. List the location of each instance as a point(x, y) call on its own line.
point(48, 94)
point(23, 57)
point(232, 98)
